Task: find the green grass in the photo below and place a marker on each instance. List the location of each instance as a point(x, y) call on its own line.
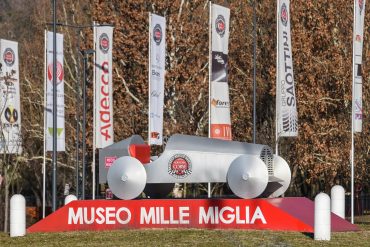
point(190, 237)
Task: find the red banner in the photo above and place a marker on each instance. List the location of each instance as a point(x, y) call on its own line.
point(178, 213)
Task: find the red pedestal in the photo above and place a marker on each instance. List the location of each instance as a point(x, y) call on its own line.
point(279, 214)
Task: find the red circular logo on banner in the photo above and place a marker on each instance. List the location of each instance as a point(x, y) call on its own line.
point(284, 15)
point(9, 57)
point(104, 43)
point(157, 34)
point(358, 38)
point(60, 72)
point(179, 166)
point(220, 25)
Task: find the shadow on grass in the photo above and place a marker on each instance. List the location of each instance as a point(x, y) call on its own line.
point(363, 223)
point(308, 234)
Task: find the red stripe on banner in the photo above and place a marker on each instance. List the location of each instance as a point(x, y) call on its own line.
point(221, 131)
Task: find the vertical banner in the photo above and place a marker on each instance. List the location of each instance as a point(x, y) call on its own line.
point(157, 53)
point(219, 105)
point(10, 139)
point(60, 93)
point(103, 86)
point(358, 39)
point(286, 101)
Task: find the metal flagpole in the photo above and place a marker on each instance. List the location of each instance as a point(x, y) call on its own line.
point(209, 80)
point(45, 107)
point(85, 56)
point(149, 76)
point(254, 69)
point(94, 122)
point(277, 80)
point(352, 115)
point(54, 109)
point(78, 77)
point(352, 165)
point(84, 125)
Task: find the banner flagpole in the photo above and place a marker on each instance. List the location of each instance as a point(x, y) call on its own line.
point(149, 76)
point(356, 114)
point(78, 77)
point(44, 157)
point(352, 115)
point(277, 79)
point(55, 177)
point(209, 80)
point(352, 165)
point(254, 68)
point(94, 120)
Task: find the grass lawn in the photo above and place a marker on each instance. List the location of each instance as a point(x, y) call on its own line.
point(191, 237)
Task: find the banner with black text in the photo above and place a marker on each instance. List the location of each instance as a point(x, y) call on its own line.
point(286, 101)
point(157, 53)
point(358, 39)
point(219, 103)
point(10, 140)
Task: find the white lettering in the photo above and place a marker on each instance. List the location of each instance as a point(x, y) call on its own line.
point(163, 220)
point(75, 217)
point(109, 213)
point(258, 216)
point(183, 212)
point(206, 217)
point(164, 215)
point(237, 216)
point(123, 222)
point(246, 215)
point(92, 216)
point(157, 216)
point(148, 218)
point(230, 217)
point(216, 216)
point(100, 217)
point(172, 220)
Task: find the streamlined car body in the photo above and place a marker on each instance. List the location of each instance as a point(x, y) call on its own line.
point(251, 170)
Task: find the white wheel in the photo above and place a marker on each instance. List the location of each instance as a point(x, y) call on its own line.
point(283, 173)
point(247, 176)
point(126, 178)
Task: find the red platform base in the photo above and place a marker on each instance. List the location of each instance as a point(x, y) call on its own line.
point(279, 214)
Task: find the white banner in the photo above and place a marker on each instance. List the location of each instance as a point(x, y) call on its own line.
point(219, 105)
point(104, 135)
point(359, 11)
point(286, 101)
point(10, 139)
point(60, 93)
point(157, 58)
